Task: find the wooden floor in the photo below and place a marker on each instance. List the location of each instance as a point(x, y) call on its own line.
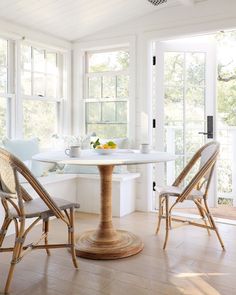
point(224, 212)
point(192, 264)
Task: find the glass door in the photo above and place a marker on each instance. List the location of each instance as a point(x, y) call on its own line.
point(184, 99)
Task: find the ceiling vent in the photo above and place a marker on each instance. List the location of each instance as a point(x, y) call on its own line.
point(157, 2)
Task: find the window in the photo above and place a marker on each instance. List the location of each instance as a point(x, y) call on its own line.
point(4, 89)
point(107, 93)
point(41, 77)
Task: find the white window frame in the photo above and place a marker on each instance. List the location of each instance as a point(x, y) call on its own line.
point(110, 44)
point(110, 74)
point(9, 95)
point(61, 89)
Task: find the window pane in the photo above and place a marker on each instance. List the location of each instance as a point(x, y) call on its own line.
point(3, 117)
point(122, 86)
point(108, 87)
point(195, 68)
point(195, 103)
point(51, 63)
point(38, 60)
point(40, 120)
point(26, 57)
point(108, 130)
point(3, 53)
point(51, 86)
point(174, 68)
point(109, 112)
point(93, 111)
point(3, 80)
point(39, 84)
point(108, 61)
point(26, 83)
point(94, 87)
point(121, 112)
point(174, 106)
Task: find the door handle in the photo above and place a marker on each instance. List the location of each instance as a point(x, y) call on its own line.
point(209, 132)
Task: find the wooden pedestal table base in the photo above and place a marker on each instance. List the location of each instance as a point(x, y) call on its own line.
point(106, 242)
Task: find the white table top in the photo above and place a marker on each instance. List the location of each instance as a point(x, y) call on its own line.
point(119, 157)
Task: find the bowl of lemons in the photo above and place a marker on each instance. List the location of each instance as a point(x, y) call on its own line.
point(104, 149)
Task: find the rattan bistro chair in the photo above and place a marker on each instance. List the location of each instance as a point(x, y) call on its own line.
point(196, 191)
point(19, 206)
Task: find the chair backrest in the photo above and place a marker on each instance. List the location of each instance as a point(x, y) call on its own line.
point(207, 156)
point(10, 187)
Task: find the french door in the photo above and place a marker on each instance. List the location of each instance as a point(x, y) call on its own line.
point(184, 91)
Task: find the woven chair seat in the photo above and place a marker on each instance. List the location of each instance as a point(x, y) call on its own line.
point(38, 208)
point(174, 191)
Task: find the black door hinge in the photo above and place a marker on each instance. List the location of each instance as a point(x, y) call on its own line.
point(154, 123)
point(154, 186)
point(154, 60)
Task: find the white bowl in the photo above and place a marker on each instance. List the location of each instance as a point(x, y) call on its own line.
point(104, 151)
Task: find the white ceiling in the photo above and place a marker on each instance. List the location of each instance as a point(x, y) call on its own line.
point(73, 19)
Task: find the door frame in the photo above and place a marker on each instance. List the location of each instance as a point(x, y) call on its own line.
point(185, 45)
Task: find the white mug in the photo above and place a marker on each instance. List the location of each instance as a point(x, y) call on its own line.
point(145, 148)
point(73, 151)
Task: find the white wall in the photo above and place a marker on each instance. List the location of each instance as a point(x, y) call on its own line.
point(204, 17)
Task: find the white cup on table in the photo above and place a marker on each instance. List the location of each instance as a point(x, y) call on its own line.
point(145, 148)
point(73, 151)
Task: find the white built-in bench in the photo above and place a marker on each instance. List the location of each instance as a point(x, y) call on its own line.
point(85, 189)
point(123, 193)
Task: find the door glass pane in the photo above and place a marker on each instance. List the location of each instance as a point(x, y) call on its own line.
point(3, 117)
point(173, 104)
point(174, 68)
point(195, 68)
point(40, 120)
point(195, 103)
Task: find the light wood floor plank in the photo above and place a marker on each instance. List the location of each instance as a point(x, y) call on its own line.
point(192, 264)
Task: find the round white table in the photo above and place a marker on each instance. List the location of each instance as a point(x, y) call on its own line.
point(106, 242)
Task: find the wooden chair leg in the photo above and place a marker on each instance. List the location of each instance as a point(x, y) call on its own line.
point(45, 230)
point(160, 214)
point(167, 222)
point(214, 225)
point(72, 238)
point(203, 215)
point(17, 250)
point(3, 230)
